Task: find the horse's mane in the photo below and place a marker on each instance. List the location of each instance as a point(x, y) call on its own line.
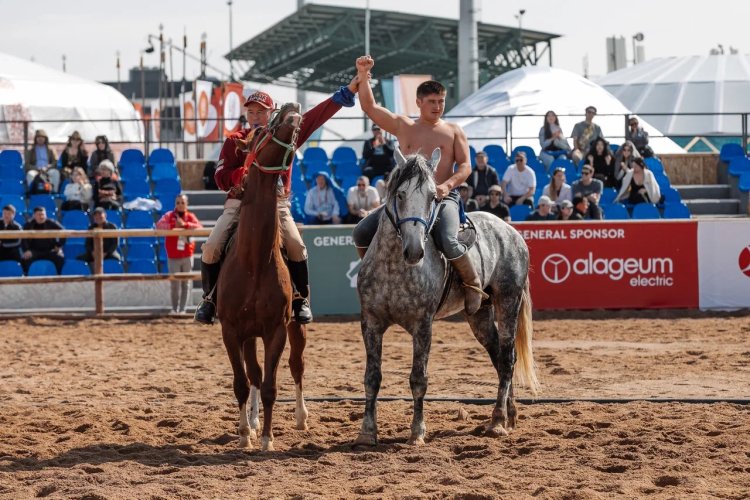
point(416, 166)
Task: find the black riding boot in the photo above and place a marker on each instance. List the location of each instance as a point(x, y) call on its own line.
point(206, 311)
point(300, 304)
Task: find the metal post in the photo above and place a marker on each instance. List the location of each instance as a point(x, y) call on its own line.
point(65, 70)
point(143, 89)
point(231, 46)
point(161, 78)
point(183, 87)
point(25, 139)
point(98, 271)
point(119, 85)
point(744, 132)
point(367, 27)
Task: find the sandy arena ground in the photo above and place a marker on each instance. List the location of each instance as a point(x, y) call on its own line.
point(126, 408)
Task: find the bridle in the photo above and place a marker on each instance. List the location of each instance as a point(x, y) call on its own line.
point(266, 135)
point(397, 221)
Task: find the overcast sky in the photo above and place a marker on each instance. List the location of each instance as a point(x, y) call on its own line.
point(90, 32)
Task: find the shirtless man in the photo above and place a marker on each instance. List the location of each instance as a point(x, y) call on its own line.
point(425, 134)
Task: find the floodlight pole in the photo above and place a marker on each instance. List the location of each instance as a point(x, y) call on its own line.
point(119, 86)
point(231, 46)
point(367, 27)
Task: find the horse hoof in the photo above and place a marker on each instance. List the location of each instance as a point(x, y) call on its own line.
point(244, 442)
point(416, 441)
point(366, 440)
point(302, 426)
point(495, 431)
point(266, 444)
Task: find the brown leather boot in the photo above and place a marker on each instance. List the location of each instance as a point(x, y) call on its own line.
point(472, 285)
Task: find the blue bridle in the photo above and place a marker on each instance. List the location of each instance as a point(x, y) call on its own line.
point(397, 221)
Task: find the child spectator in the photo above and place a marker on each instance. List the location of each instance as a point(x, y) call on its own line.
point(180, 249)
point(558, 190)
point(42, 249)
point(591, 189)
point(601, 158)
point(543, 211)
point(78, 193)
point(495, 204)
point(101, 153)
point(639, 137)
point(583, 134)
point(42, 160)
point(482, 178)
point(639, 185)
point(552, 140)
point(321, 206)
point(361, 199)
point(107, 190)
point(109, 245)
point(10, 249)
point(519, 182)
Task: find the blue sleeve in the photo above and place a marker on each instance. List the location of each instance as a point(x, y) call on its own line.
point(344, 97)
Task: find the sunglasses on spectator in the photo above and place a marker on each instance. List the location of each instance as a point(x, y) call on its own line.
point(519, 159)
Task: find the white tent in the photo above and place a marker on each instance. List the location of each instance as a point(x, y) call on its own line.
point(692, 84)
point(36, 93)
point(513, 106)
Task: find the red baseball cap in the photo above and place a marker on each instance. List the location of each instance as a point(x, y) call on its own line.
point(261, 98)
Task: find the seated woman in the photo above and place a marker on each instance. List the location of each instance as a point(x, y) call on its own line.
point(107, 190)
point(321, 206)
point(101, 153)
point(601, 158)
point(624, 160)
point(79, 192)
point(553, 141)
point(639, 185)
point(558, 190)
point(639, 137)
point(73, 156)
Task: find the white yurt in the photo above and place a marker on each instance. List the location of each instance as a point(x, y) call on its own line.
point(512, 107)
point(693, 84)
point(32, 92)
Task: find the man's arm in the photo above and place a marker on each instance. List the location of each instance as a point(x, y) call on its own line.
point(461, 157)
point(388, 121)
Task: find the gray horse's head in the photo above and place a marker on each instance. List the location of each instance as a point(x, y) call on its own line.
point(412, 186)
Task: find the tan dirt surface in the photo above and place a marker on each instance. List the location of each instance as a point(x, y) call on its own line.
point(134, 408)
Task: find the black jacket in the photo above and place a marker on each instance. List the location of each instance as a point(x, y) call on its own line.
point(109, 244)
point(46, 245)
point(10, 249)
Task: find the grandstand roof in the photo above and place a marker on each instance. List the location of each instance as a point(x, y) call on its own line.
point(316, 47)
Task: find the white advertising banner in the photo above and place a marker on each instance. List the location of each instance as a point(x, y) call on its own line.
point(724, 264)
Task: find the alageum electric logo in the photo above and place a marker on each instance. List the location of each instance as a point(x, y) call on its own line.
point(640, 272)
point(744, 261)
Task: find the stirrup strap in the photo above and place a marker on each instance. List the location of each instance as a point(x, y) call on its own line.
point(477, 289)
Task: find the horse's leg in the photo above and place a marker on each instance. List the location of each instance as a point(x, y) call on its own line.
point(241, 389)
point(255, 375)
point(273, 344)
point(483, 326)
point(297, 341)
point(372, 335)
point(421, 340)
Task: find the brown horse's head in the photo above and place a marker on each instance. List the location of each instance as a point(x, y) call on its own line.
point(272, 148)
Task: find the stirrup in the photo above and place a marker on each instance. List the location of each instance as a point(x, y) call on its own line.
point(476, 289)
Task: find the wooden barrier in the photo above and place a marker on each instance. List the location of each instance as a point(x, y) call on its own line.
point(98, 276)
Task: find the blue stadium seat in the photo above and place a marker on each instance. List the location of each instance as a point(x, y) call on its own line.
point(140, 252)
point(671, 195)
point(531, 158)
point(115, 217)
point(341, 199)
point(654, 164)
point(44, 200)
point(18, 201)
point(139, 219)
point(12, 173)
point(738, 166)
point(646, 211)
point(75, 219)
point(314, 160)
point(11, 158)
point(11, 186)
point(347, 182)
point(676, 211)
point(663, 181)
point(164, 171)
point(133, 173)
point(10, 269)
point(298, 182)
point(132, 157)
point(75, 267)
point(614, 147)
point(42, 268)
point(344, 161)
point(519, 213)
point(731, 150)
point(744, 183)
point(472, 156)
point(142, 267)
point(136, 188)
point(298, 207)
point(608, 196)
point(112, 266)
point(164, 187)
point(615, 211)
point(160, 155)
point(73, 249)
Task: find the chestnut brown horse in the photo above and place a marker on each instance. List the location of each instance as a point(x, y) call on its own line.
point(255, 291)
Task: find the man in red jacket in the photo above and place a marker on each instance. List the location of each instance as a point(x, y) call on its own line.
point(179, 249)
point(229, 173)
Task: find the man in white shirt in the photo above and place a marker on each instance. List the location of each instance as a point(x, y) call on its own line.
point(519, 183)
point(361, 199)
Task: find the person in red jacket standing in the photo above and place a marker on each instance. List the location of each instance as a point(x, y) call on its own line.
point(229, 172)
point(180, 249)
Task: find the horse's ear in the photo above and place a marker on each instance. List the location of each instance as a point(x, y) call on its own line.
point(435, 159)
point(400, 160)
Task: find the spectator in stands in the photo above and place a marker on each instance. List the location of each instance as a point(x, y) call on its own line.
point(180, 249)
point(591, 189)
point(209, 183)
point(42, 249)
point(519, 182)
point(482, 178)
point(580, 207)
point(639, 185)
point(601, 158)
point(101, 153)
point(566, 211)
point(109, 245)
point(639, 137)
point(378, 154)
point(552, 140)
point(583, 134)
point(623, 160)
point(10, 249)
point(361, 199)
point(42, 160)
point(321, 206)
point(543, 211)
point(558, 190)
point(470, 204)
point(495, 204)
point(78, 192)
point(74, 155)
point(107, 190)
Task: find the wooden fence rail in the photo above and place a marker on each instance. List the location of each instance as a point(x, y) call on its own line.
point(98, 276)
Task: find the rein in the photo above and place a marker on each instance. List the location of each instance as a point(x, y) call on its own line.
point(397, 221)
point(263, 141)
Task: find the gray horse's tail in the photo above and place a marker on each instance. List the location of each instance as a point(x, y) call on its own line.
point(525, 366)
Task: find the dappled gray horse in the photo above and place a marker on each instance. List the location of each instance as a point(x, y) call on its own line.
point(401, 282)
